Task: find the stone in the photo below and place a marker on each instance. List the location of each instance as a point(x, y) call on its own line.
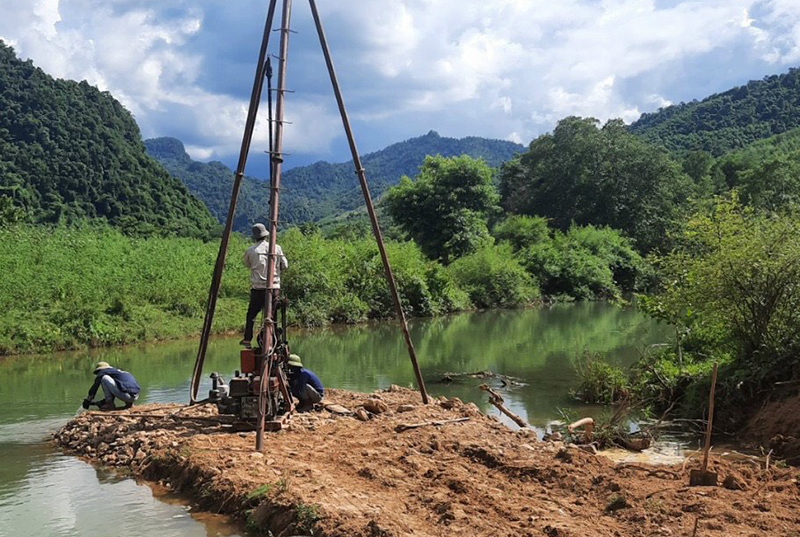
point(375, 406)
point(406, 408)
point(362, 414)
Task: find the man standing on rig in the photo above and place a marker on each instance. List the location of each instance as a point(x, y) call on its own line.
point(256, 258)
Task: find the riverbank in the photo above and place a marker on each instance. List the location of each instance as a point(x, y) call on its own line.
point(334, 475)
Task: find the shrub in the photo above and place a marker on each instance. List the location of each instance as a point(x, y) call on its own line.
point(585, 263)
point(493, 278)
point(599, 381)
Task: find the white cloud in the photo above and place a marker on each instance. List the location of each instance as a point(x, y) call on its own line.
point(485, 67)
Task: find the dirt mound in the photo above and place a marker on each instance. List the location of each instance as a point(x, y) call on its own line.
point(331, 474)
point(776, 427)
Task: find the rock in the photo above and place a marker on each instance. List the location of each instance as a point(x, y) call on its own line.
point(731, 482)
point(375, 406)
point(406, 408)
point(337, 409)
point(394, 388)
point(552, 437)
point(362, 414)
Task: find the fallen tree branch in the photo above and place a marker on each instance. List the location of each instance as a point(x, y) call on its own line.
point(407, 426)
point(497, 400)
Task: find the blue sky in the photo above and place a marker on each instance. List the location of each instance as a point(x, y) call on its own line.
point(504, 69)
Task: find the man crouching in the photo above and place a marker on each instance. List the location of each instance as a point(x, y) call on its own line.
point(116, 384)
point(303, 384)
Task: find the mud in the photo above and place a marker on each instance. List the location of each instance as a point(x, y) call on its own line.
point(336, 475)
point(776, 428)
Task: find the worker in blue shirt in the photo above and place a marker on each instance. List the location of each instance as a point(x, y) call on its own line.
point(303, 384)
point(116, 384)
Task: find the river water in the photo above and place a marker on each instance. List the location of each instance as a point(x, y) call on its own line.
point(45, 493)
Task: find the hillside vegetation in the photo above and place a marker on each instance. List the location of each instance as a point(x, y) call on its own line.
point(70, 152)
point(729, 120)
point(320, 190)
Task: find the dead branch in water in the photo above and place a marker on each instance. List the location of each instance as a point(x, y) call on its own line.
point(497, 400)
point(505, 379)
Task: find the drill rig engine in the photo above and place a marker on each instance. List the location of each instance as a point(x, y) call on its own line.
point(239, 397)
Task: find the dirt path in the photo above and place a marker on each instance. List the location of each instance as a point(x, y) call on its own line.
point(333, 475)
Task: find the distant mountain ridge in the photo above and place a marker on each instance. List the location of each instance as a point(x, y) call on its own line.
point(311, 193)
point(69, 152)
point(729, 120)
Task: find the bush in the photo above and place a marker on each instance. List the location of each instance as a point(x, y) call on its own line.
point(67, 287)
point(522, 231)
point(731, 286)
point(599, 381)
point(494, 279)
point(585, 263)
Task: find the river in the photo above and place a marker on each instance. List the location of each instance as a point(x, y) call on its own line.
point(45, 493)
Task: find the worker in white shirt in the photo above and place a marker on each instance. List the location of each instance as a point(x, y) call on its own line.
point(256, 258)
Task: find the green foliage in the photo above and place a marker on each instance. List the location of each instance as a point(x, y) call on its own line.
point(585, 263)
point(598, 381)
point(522, 231)
point(582, 174)
point(70, 152)
point(322, 189)
point(447, 208)
point(343, 280)
point(732, 286)
point(10, 214)
point(493, 278)
point(307, 516)
point(69, 287)
point(766, 173)
point(728, 120)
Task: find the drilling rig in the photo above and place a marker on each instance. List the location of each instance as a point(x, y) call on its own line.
point(259, 391)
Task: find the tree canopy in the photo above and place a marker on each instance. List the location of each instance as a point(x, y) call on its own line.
point(69, 152)
point(446, 209)
point(584, 174)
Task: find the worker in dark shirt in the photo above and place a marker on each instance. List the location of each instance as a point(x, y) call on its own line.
point(303, 384)
point(116, 384)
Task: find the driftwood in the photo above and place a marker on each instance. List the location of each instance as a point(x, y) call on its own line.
point(407, 426)
point(588, 427)
point(506, 380)
point(497, 400)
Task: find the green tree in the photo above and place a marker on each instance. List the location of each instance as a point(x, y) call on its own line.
point(446, 209)
point(605, 176)
point(732, 284)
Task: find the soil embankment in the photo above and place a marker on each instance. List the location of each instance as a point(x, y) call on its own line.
point(776, 426)
point(335, 475)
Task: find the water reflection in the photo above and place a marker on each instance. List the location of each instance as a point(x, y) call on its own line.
point(45, 493)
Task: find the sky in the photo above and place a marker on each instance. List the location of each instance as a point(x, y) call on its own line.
point(507, 69)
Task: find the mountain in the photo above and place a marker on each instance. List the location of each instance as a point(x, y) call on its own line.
point(728, 120)
point(70, 152)
point(212, 182)
point(320, 190)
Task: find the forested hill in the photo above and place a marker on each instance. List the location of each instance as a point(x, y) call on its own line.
point(212, 182)
point(729, 120)
point(324, 189)
point(313, 192)
point(70, 152)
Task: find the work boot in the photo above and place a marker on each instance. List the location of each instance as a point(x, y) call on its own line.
point(245, 343)
point(127, 406)
point(107, 405)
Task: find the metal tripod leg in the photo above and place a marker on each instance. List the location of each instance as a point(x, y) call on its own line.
point(376, 230)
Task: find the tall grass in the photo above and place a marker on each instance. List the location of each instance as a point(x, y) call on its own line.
point(69, 287)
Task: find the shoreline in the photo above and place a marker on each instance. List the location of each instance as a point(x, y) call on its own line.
point(333, 475)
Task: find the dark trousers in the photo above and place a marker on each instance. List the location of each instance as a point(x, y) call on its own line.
point(257, 299)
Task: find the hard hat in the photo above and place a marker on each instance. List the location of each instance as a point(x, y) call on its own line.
point(294, 361)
